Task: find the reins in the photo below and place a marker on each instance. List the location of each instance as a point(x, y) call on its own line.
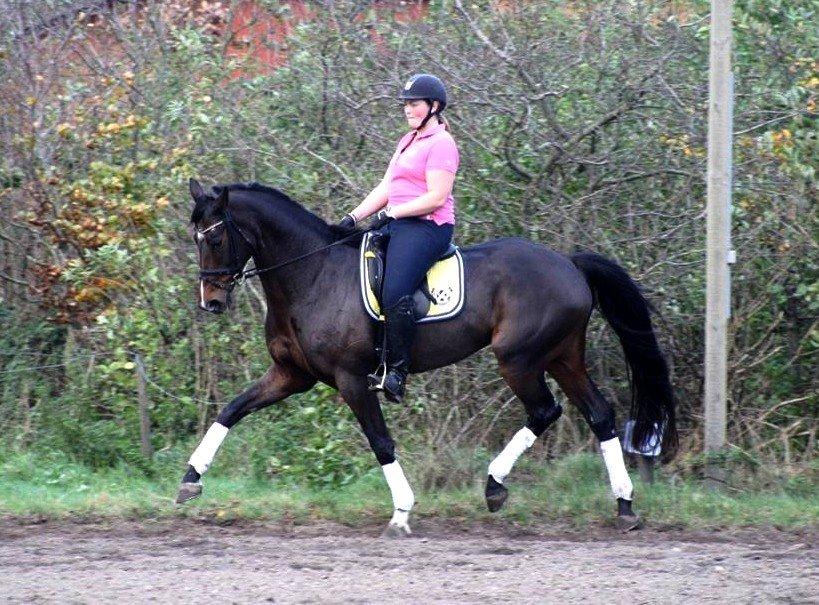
point(254, 272)
point(238, 275)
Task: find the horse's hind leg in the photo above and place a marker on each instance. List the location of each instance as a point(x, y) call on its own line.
point(530, 387)
point(570, 373)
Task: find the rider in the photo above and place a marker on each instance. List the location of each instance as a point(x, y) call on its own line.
point(415, 205)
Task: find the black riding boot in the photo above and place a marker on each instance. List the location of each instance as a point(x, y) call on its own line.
point(400, 330)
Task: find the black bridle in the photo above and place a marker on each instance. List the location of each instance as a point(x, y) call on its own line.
point(236, 270)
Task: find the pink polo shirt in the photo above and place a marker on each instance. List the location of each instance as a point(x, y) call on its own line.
point(435, 150)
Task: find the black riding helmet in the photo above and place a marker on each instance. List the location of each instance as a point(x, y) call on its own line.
point(426, 87)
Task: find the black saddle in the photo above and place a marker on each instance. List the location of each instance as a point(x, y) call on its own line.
point(375, 252)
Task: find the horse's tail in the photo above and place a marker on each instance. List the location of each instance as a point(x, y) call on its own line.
point(627, 311)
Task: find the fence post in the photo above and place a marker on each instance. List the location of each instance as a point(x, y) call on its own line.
point(144, 419)
point(645, 465)
point(25, 410)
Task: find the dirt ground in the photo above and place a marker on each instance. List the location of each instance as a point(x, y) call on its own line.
point(172, 561)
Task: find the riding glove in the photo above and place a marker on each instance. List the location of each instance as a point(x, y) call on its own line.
point(346, 224)
point(381, 219)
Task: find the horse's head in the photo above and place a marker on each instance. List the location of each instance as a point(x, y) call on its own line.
point(223, 248)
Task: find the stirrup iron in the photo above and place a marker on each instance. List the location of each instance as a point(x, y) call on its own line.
point(376, 379)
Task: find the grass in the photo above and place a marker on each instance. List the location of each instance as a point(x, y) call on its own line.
point(572, 492)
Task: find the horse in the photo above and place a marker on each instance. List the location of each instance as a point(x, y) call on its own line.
point(530, 304)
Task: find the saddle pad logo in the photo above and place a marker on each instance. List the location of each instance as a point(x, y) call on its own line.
point(442, 296)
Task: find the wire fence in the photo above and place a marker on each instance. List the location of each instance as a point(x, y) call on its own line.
point(140, 368)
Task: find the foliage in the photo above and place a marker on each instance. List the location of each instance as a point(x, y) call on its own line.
point(580, 124)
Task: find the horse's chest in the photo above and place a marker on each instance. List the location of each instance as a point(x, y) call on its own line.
point(286, 351)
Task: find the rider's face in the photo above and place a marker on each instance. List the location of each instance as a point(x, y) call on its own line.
point(415, 111)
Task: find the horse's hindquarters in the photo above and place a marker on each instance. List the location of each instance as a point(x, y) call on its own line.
point(520, 296)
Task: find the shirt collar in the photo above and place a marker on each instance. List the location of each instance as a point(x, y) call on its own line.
point(438, 128)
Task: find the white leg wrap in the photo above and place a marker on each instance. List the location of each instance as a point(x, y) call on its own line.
point(402, 497)
point(503, 463)
point(621, 485)
point(203, 455)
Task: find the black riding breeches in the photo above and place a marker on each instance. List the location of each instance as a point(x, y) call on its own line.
point(414, 246)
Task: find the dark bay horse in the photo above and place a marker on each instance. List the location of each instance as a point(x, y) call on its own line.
point(530, 304)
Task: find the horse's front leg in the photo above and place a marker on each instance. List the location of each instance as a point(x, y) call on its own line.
point(364, 404)
point(278, 383)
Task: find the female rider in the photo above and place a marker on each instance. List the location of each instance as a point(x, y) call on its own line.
point(415, 205)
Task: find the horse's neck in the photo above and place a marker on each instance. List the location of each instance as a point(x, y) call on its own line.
point(278, 242)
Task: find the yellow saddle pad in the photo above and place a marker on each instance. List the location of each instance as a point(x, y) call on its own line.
point(440, 297)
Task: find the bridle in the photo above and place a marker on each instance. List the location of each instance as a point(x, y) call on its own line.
point(236, 270)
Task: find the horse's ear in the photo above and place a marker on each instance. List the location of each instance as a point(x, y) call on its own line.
point(220, 205)
point(197, 193)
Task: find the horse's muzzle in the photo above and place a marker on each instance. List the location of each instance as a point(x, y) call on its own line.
point(215, 306)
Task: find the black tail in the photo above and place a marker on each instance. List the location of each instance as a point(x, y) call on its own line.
point(627, 311)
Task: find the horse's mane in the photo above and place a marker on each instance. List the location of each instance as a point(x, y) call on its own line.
point(279, 199)
point(258, 188)
point(295, 211)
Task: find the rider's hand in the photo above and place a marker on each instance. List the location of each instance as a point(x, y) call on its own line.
point(381, 219)
point(347, 224)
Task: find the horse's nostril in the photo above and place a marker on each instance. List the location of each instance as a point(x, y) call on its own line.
point(215, 306)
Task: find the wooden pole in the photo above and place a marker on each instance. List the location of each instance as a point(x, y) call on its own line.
point(144, 419)
point(25, 410)
point(645, 466)
point(719, 255)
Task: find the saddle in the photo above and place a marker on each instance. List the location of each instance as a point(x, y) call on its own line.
point(441, 295)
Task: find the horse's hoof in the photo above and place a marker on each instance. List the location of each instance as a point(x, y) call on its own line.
point(188, 491)
point(396, 531)
point(627, 523)
point(496, 495)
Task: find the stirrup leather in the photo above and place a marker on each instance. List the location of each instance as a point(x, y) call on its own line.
point(375, 381)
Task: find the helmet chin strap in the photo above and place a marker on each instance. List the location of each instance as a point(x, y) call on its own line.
point(423, 123)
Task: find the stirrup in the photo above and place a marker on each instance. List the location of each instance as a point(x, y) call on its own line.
point(375, 381)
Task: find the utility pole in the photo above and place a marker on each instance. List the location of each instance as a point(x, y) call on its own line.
point(719, 253)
